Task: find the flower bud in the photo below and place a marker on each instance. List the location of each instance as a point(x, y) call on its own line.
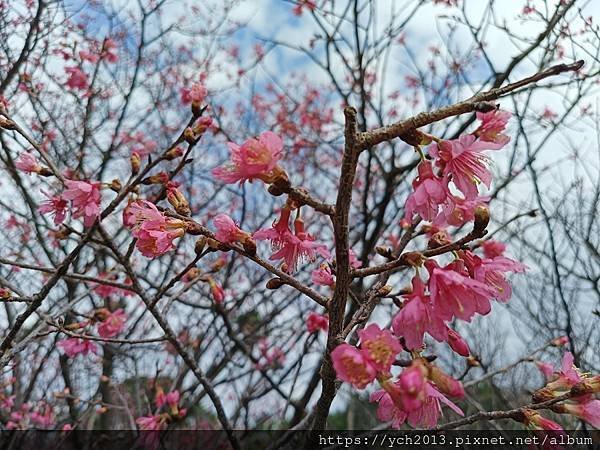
point(173, 153)
point(446, 383)
point(202, 125)
point(193, 228)
point(413, 259)
point(280, 179)
point(200, 245)
point(482, 218)
point(136, 163)
point(115, 185)
point(275, 191)
point(5, 294)
point(189, 136)
point(457, 343)
point(560, 341)
point(7, 124)
point(275, 283)
point(45, 171)
point(438, 239)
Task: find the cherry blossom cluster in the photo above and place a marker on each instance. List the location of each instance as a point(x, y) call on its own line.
point(561, 381)
point(414, 396)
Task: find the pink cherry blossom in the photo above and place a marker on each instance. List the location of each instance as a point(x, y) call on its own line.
point(539, 422)
point(77, 78)
point(352, 366)
point(57, 206)
point(85, 199)
point(150, 423)
point(254, 159)
point(492, 125)
point(194, 95)
point(154, 232)
point(292, 248)
point(463, 160)
point(417, 317)
point(455, 294)
point(113, 324)
point(323, 276)
point(457, 211)
point(588, 411)
point(316, 322)
point(429, 192)
point(546, 369)
point(492, 272)
point(76, 346)
point(27, 163)
point(380, 347)
point(278, 231)
point(492, 248)
point(426, 416)
point(227, 231)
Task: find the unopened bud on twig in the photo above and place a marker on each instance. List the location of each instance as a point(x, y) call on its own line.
point(275, 283)
point(482, 218)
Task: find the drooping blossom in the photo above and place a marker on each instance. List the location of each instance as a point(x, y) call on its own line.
point(77, 78)
point(380, 347)
point(426, 416)
point(561, 381)
point(535, 420)
point(278, 231)
point(417, 317)
point(352, 366)
point(429, 192)
point(492, 248)
point(457, 211)
point(316, 322)
point(323, 276)
point(56, 205)
point(546, 369)
point(154, 231)
point(463, 160)
point(254, 159)
point(588, 410)
point(227, 231)
point(112, 323)
point(445, 383)
point(27, 163)
point(150, 423)
point(492, 272)
point(77, 346)
point(85, 199)
point(291, 247)
point(409, 390)
point(493, 123)
point(454, 294)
